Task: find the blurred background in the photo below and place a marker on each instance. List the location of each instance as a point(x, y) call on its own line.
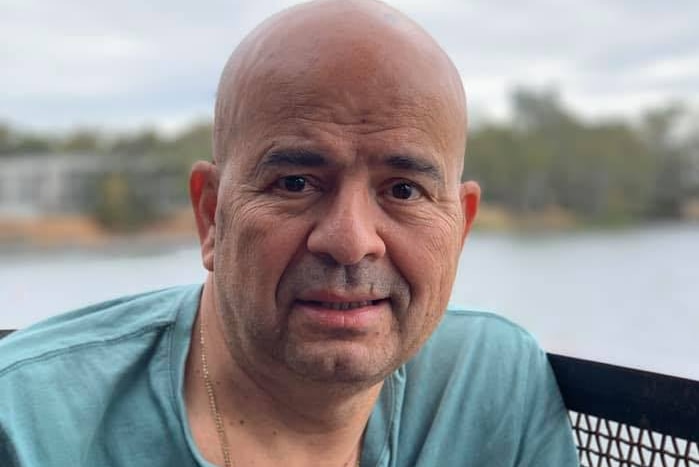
point(584, 136)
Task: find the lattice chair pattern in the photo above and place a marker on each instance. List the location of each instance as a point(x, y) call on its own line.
point(629, 418)
point(606, 443)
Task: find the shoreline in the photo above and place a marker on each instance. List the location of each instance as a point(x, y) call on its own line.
point(83, 233)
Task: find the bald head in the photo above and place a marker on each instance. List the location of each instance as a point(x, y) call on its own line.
point(351, 50)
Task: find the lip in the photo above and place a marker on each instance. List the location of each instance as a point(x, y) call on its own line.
point(325, 311)
point(338, 297)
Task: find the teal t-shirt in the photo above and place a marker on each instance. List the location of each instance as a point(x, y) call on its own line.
point(103, 386)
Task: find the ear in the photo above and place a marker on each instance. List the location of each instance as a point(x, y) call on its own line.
point(470, 195)
point(203, 191)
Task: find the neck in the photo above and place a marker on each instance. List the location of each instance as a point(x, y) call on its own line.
point(266, 420)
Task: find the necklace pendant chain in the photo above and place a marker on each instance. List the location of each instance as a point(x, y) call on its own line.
point(213, 406)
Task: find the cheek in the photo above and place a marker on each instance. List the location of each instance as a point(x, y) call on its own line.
point(253, 249)
point(256, 244)
point(427, 254)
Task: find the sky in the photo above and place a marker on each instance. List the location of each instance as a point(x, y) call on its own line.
point(122, 65)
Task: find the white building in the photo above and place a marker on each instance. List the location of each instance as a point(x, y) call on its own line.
point(34, 185)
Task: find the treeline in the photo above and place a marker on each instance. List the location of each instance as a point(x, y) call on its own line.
point(181, 149)
point(608, 171)
point(603, 172)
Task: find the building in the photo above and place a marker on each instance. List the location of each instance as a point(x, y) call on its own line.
point(36, 185)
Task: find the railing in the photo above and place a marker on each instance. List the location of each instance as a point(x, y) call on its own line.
point(627, 418)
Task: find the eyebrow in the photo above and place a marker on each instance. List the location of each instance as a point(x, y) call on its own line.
point(294, 158)
point(413, 164)
point(304, 158)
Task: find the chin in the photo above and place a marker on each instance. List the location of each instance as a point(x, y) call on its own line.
point(344, 364)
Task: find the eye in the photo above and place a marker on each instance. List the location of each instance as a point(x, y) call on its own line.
point(405, 191)
point(293, 183)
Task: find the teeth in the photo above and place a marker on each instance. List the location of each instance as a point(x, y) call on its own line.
point(345, 305)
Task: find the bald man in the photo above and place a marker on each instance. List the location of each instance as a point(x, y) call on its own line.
point(331, 221)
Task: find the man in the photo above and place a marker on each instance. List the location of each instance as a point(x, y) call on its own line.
point(331, 221)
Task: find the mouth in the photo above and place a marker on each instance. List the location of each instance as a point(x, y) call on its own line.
point(341, 314)
point(340, 306)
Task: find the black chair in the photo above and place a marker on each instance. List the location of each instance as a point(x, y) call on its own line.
point(627, 418)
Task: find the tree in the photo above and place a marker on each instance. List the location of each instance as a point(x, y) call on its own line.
point(671, 161)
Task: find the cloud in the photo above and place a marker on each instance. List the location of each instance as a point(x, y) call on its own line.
point(117, 64)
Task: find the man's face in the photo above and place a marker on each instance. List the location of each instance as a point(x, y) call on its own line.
point(339, 223)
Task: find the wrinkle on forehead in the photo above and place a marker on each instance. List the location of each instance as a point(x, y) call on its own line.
point(365, 57)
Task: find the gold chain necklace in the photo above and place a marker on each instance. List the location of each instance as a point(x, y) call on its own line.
point(213, 406)
point(220, 428)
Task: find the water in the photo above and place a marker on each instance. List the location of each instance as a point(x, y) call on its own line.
point(628, 297)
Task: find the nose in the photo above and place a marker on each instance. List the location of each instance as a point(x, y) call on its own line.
point(347, 231)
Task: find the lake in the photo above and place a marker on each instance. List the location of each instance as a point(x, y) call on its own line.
point(629, 297)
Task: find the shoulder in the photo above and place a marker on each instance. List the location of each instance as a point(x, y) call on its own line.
point(477, 355)
point(101, 324)
point(483, 384)
point(93, 372)
point(483, 321)
point(479, 333)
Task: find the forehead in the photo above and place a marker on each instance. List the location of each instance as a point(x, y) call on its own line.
point(350, 107)
point(344, 126)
